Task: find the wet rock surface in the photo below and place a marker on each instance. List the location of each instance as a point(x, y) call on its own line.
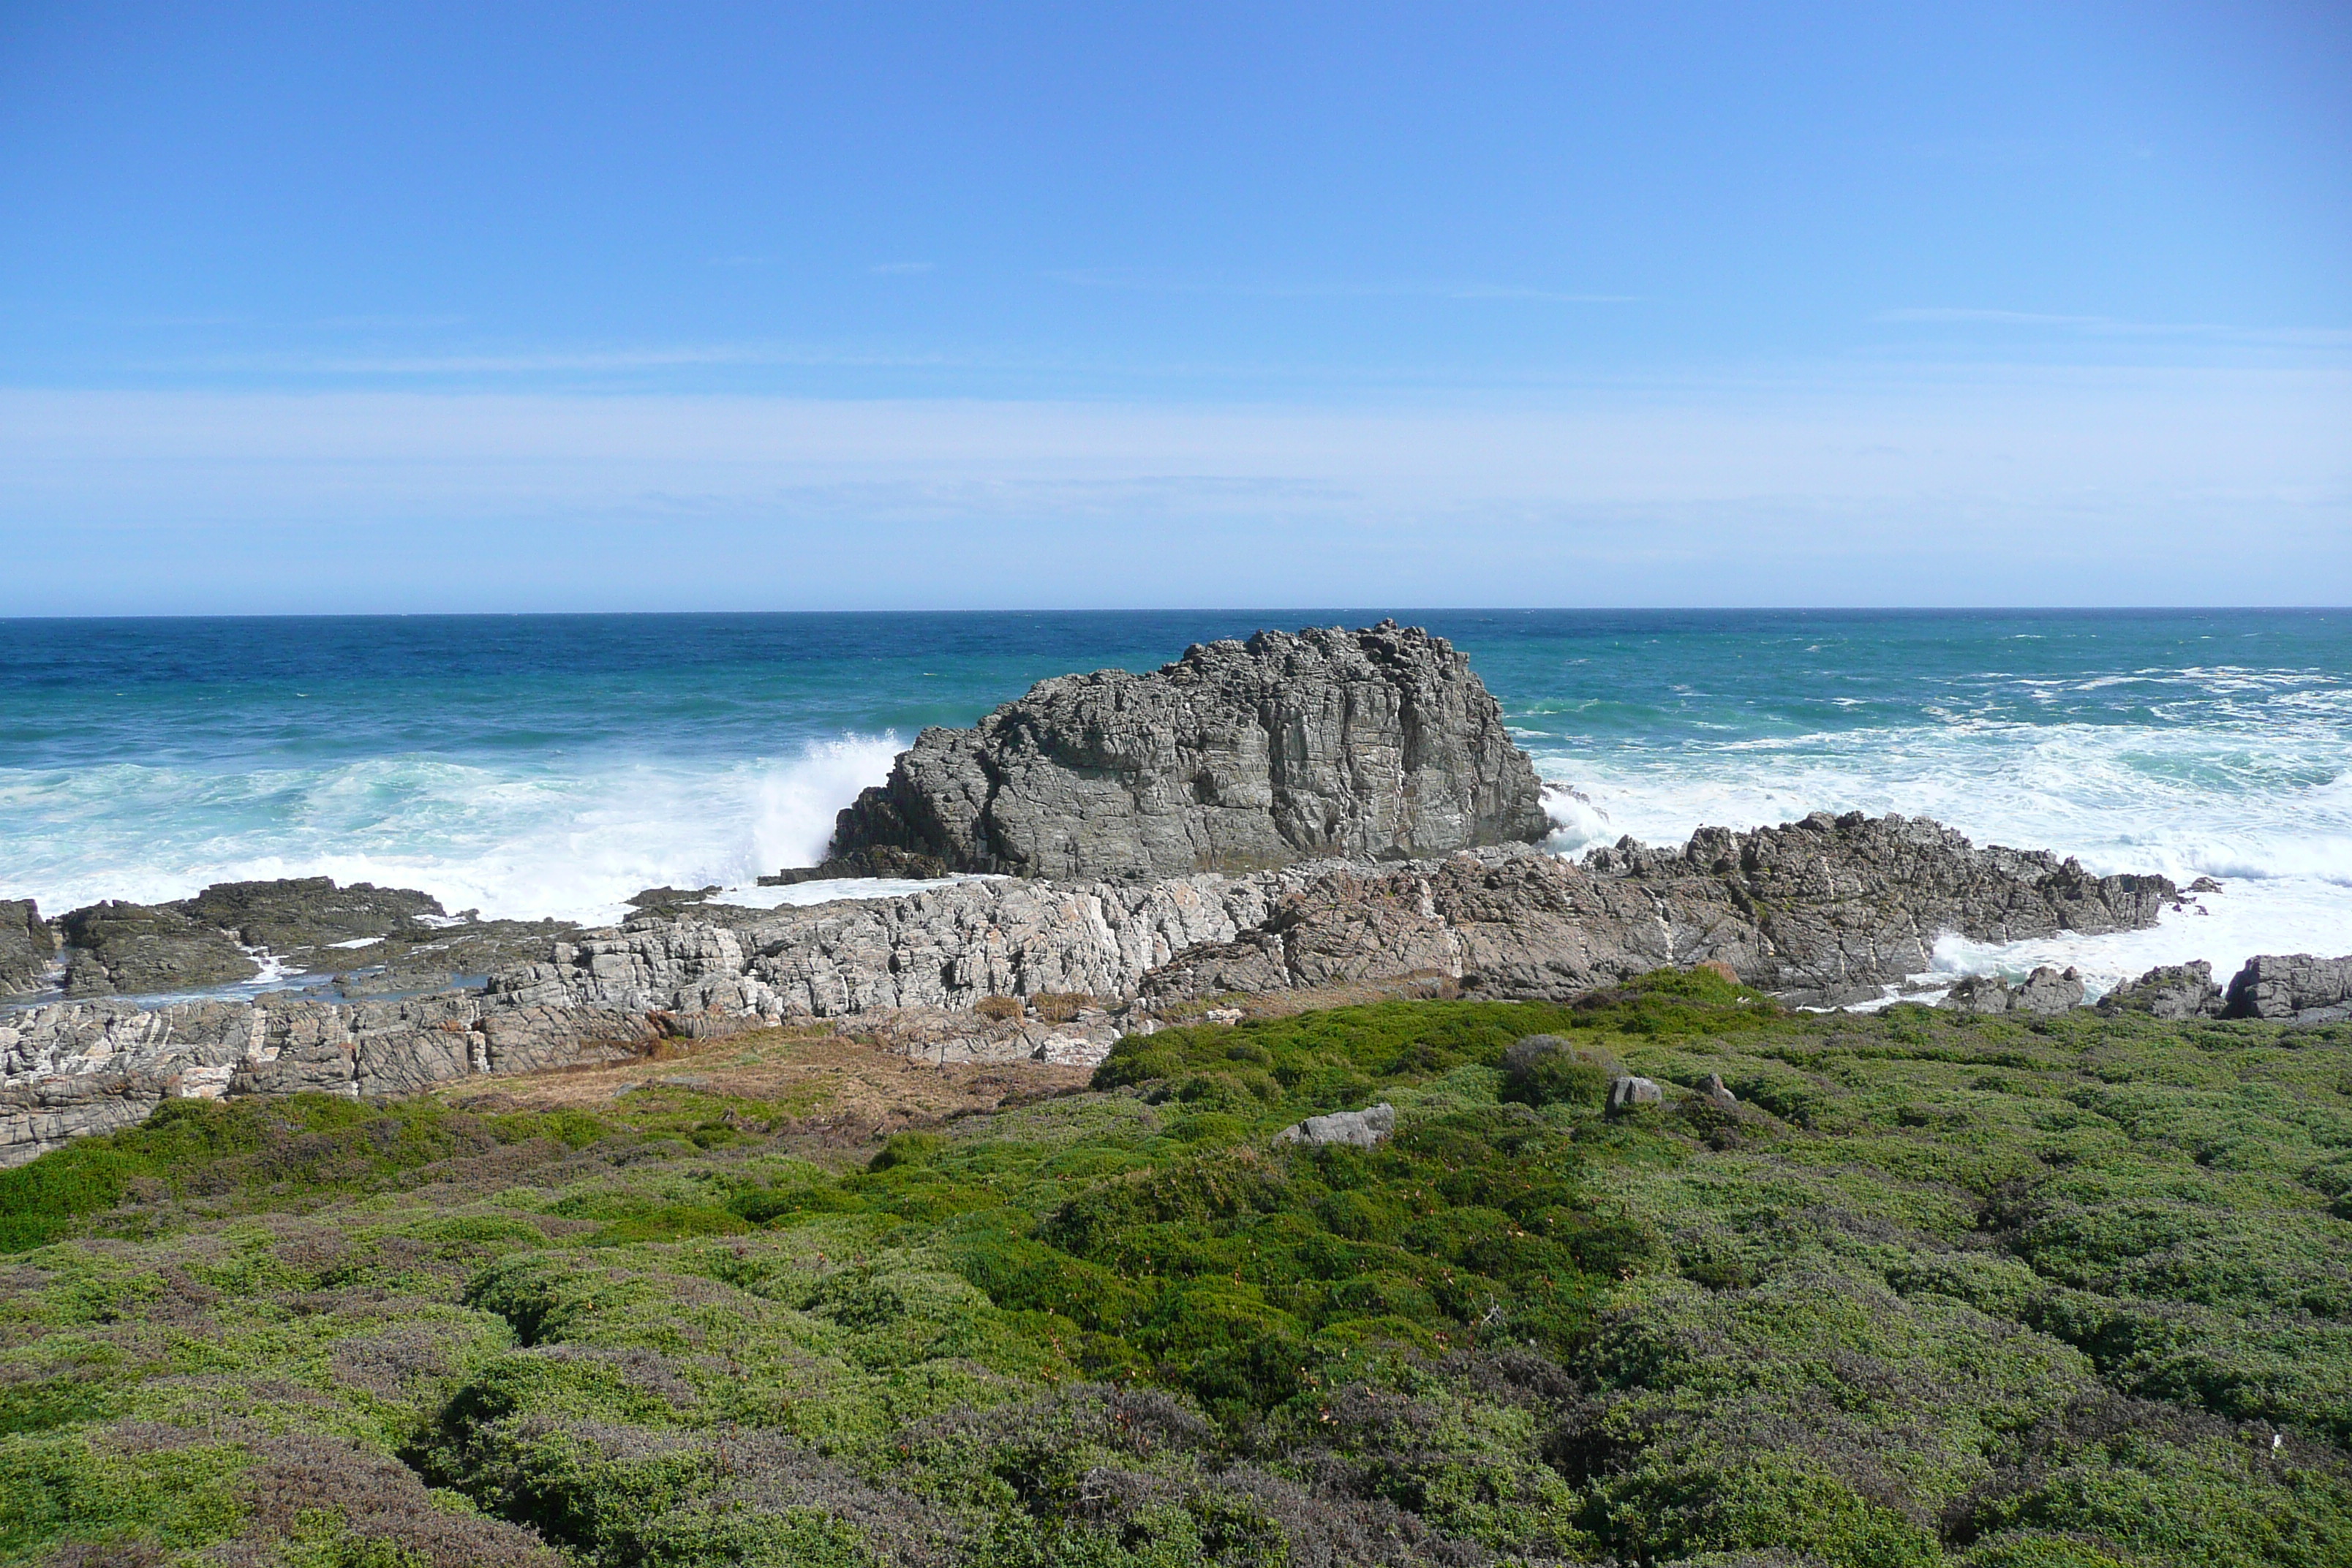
point(300, 912)
point(27, 946)
point(116, 947)
point(1374, 743)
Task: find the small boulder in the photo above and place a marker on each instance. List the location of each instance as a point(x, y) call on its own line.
point(2204, 885)
point(1715, 1094)
point(1981, 994)
point(1628, 1093)
point(1361, 1129)
point(2047, 990)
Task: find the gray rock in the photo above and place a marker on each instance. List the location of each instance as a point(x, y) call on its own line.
point(1361, 1129)
point(1715, 1093)
point(2048, 991)
point(1377, 744)
point(2296, 987)
point(2045, 992)
point(310, 911)
point(1629, 1093)
point(27, 946)
point(1823, 911)
point(1980, 994)
point(1846, 904)
point(1818, 909)
point(72, 1068)
point(134, 949)
point(2168, 991)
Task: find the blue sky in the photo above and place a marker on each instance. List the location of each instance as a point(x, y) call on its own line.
point(539, 307)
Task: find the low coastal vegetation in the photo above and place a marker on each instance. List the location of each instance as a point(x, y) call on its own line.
point(2062, 1292)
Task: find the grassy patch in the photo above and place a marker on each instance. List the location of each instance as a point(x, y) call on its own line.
point(2068, 1293)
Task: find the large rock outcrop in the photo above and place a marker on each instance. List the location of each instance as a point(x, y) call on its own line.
point(1373, 744)
point(300, 912)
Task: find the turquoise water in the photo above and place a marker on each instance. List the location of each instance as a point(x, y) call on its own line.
point(534, 765)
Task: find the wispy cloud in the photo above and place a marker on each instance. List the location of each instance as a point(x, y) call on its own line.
point(656, 357)
point(1851, 489)
point(2112, 326)
point(901, 268)
point(1148, 283)
point(386, 323)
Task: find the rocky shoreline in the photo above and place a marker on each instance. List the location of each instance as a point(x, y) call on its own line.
point(1820, 912)
point(1293, 815)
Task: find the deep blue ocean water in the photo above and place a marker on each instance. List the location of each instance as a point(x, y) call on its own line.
point(534, 765)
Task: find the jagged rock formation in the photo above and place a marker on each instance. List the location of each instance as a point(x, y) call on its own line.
point(27, 945)
point(1830, 910)
point(1848, 903)
point(1823, 911)
point(371, 940)
point(298, 912)
point(139, 949)
point(946, 948)
point(2297, 988)
point(2046, 991)
point(2170, 991)
point(1373, 744)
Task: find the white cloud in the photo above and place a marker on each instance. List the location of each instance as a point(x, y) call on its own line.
point(2312, 337)
point(2011, 486)
point(1150, 283)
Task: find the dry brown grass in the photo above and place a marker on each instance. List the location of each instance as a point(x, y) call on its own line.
point(830, 1091)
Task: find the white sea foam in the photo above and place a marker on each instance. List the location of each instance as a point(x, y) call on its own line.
point(2265, 809)
point(525, 844)
point(2243, 774)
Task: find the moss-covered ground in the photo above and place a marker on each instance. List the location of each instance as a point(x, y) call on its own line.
point(2066, 1293)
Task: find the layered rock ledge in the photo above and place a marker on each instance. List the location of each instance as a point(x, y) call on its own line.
point(1822, 912)
point(1379, 743)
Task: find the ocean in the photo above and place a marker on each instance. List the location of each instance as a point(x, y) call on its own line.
point(553, 764)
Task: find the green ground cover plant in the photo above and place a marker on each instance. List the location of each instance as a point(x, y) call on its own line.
point(2058, 1293)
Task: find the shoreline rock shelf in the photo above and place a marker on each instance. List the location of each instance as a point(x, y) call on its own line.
point(1821, 912)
